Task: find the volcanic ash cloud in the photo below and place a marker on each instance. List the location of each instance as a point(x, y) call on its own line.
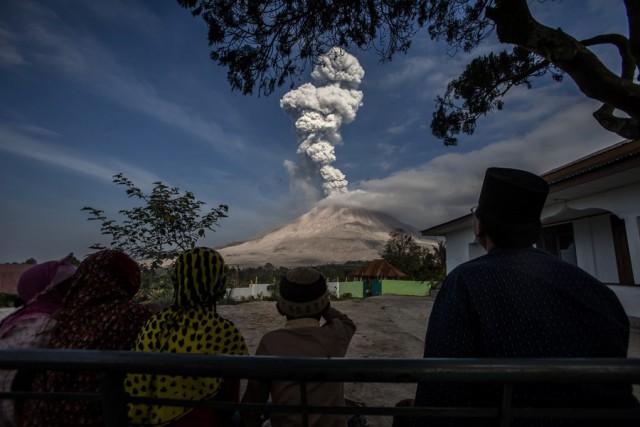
point(319, 111)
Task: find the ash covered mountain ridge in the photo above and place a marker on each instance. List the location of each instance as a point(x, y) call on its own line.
point(324, 235)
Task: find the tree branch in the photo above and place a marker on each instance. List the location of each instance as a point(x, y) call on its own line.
point(515, 25)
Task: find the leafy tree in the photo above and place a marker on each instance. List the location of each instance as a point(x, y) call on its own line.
point(440, 264)
point(403, 252)
point(31, 261)
point(264, 44)
point(168, 223)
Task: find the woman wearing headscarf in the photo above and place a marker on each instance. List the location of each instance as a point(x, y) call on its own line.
point(190, 325)
point(42, 288)
point(97, 314)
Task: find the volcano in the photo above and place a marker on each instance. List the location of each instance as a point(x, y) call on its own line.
point(324, 235)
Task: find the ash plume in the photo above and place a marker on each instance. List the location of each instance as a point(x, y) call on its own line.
point(319, 111)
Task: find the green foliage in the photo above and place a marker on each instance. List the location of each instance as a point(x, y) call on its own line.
point(31, 261)
point(403, 252)
point(7, 300)
point(440, 265)
point(168, 223)
point(298, 32)
point(418, 263)
point(264, 46)
point(339, 272)
point(480, 91)
point(274, 289)
point(156, 285)
point(266, 273)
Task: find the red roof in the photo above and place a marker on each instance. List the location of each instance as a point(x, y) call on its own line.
point(9, 275)
point(378, 268)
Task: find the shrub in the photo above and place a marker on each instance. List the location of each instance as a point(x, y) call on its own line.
point(7, 300)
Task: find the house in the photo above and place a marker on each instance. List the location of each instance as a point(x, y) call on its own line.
point(372, 274)
point(378, 269)
point(591, 219)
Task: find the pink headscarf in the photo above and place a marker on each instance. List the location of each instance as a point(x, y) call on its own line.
point(38, 288)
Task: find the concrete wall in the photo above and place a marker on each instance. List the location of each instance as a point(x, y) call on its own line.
point(595, 252)
point(458, 247)
point(629, 296)
point(405, 287)
point(254, 290)
point(355, 288)
point(622, 202)
point(261, 290)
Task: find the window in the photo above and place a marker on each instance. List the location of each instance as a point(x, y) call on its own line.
point(558, 240)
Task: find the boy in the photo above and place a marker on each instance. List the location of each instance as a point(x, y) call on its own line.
point(303, 300)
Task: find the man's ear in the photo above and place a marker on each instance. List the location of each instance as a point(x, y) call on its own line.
point(479, 231)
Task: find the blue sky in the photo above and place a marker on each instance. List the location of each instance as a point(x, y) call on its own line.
point(89, 89)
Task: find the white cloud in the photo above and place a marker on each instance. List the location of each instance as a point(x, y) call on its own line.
point(46, 41)
point(446, 187)
point(9, 54)
point(28, 144)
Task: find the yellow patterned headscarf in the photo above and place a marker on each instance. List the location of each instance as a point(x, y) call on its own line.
point(190, 325)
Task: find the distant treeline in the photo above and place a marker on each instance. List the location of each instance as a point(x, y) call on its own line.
point(268, 273)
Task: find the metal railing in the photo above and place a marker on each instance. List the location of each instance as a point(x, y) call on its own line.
point(113, 365)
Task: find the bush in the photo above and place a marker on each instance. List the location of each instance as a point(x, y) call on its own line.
point(156, 286)
point(7, 300)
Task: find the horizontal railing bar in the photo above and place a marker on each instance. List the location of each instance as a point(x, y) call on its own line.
point(93, 397)
point(377, 370)
point(371, 370)
point(461, 412)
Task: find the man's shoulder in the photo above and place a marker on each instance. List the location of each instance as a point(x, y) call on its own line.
point(479, 262)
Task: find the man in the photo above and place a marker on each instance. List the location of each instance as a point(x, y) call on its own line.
point(520, 302)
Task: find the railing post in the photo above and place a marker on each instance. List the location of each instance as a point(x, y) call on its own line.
point(304, 404)
point(114, 407)
point(507, 401)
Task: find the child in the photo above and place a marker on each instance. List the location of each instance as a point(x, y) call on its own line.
point(303, 300)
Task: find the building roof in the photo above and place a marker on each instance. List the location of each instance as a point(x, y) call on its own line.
point(9, 275)
point(589, 174)
point(449, 226)
point(379, 268)
point(614, 159)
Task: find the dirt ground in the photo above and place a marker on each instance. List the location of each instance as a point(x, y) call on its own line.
point(388, 327)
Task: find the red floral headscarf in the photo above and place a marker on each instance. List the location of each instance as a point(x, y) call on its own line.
point(97, 314)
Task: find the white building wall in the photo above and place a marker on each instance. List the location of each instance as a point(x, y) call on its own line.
point(632, 224)
point(262, 290)
point(629, 297)
point(624, 202)
point(595, 252)
point(606, 268)
point(458, 247)
point(584, 246)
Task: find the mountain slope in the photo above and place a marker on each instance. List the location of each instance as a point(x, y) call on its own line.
point(324, 235)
